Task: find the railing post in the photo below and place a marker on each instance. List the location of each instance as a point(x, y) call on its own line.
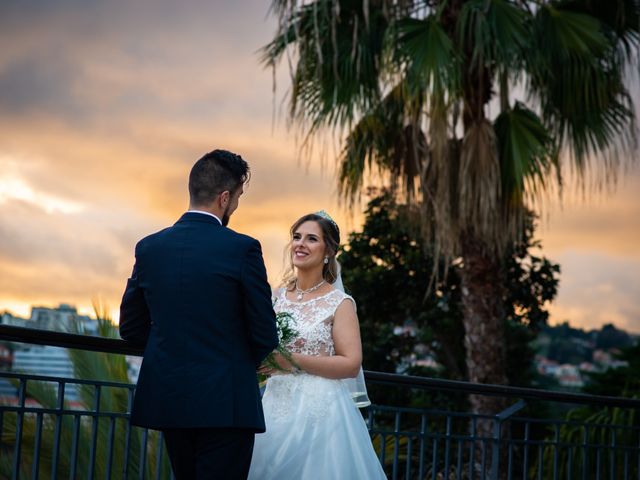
point(17, 452)
point(495, 451)
point(498, 420)
point(58, 429)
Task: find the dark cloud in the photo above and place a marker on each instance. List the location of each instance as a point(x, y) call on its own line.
point(175, 60)
point(36, 84)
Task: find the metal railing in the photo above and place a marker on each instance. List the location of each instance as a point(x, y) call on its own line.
point(416, 436)
point(60, 439)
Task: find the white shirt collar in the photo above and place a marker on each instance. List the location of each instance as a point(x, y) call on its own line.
point(205, 213)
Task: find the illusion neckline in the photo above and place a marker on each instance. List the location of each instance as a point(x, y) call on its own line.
point(284, 295)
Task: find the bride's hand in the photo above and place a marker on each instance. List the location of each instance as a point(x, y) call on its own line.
point(282, 362)
point(264, 370)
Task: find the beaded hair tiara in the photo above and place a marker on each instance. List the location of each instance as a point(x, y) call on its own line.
point(326, 216)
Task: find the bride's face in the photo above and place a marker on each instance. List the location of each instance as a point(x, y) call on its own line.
point(307, 246)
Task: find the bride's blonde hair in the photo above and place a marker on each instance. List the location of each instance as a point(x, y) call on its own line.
point(331, 237)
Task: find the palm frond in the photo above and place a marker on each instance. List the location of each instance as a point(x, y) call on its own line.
point(526, 152)
point(620, 19)
point(440, 201)
point(339, 49)
point(431, 57)
point(384, 138)
point(98, 365)
point(578, 80)
point(494, 31)
point(358, 154)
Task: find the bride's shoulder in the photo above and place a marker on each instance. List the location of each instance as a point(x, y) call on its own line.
point(341, 298)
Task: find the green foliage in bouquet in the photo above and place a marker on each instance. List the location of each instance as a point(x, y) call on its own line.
point(286, 335)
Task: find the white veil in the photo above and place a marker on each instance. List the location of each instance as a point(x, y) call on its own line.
point(356, 385)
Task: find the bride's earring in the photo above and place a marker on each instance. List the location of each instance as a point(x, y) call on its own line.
point(326, 260)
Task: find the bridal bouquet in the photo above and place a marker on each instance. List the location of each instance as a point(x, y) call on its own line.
point(286, 334)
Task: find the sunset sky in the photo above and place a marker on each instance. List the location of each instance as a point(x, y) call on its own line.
point(104, 107)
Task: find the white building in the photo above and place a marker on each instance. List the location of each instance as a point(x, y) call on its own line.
point(7, 318)
point(63, 319)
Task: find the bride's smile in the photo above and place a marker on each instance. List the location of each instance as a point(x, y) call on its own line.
point(308, 246)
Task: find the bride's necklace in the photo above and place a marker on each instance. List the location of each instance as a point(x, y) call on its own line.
point(302, 293)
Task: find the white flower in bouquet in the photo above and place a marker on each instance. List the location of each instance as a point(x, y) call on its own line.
point(286, 334)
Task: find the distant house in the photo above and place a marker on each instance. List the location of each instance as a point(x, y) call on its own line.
point(606, 360)
point(544, 366)
point(569, 376)
point(601, 357)
point(588, 367)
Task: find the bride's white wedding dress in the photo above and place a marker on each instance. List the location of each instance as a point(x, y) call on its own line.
point(314, 429)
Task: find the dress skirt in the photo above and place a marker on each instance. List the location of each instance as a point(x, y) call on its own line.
point(314, 432)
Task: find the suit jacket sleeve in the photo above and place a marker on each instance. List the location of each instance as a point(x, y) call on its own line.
point(259, 314)
point(135, 320)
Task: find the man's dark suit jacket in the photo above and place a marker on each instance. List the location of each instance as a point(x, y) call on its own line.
point(198, 298)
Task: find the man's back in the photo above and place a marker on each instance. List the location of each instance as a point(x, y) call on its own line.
point(202, 286)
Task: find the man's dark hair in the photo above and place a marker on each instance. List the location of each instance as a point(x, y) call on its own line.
point(215, 173)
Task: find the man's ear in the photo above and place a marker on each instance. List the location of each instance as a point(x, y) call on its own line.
point(224, 198)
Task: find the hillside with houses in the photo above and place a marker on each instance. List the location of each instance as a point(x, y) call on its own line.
point(565, 355)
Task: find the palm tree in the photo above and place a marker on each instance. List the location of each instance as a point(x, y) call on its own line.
point(470, 108)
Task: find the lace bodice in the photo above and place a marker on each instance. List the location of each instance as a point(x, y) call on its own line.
point(313, 320)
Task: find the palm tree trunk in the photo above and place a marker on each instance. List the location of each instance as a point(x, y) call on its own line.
point(482, 300)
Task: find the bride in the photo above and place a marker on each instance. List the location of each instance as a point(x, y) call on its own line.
point(314, 428)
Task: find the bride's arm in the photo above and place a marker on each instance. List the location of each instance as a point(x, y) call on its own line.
point(346, 338)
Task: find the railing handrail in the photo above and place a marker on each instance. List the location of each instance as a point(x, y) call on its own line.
point(112, 345)
point(68, 340)
point(428, 383)
point(22, 376)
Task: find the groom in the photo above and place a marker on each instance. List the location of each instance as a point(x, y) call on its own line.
point(199, 301)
